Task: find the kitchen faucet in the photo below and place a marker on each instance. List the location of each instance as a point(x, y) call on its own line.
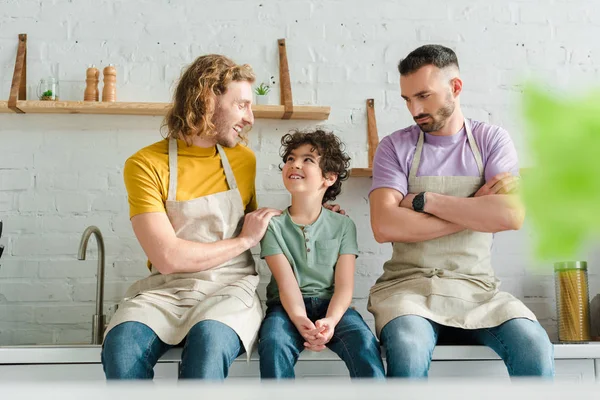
point(99, 318)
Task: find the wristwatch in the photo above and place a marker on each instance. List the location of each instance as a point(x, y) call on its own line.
point(418, 202)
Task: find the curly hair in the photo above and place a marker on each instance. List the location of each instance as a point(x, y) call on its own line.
point(194, 98)
point(334, 159)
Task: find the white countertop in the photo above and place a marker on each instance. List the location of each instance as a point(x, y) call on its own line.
point(84, 354)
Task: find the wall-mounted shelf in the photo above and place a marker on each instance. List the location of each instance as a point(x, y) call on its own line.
point(361, 172)
point(18, 104)
point(126, 108)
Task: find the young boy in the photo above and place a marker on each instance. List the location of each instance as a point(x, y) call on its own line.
point(311, 252)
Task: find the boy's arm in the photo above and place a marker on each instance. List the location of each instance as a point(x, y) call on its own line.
point(289, 292)
point(344, 286)
point(291, 296)
point(342, 296)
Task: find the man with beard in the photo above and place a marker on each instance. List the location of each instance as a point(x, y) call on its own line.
point(193, 209)
point(441, 188)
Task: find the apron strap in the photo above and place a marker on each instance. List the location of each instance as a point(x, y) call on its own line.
point(474, 147)
point(172, 170)
point(227, 168)
point(412, 174)
point(417, 157)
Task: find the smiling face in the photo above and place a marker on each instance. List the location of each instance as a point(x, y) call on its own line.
point(233, 113)
point(431, 96)
point(302, 173)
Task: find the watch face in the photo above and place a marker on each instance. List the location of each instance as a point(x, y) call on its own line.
point(418, 202)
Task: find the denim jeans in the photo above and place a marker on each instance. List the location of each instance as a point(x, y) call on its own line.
point(131, 350)
point(280, 343)
point(522, 344)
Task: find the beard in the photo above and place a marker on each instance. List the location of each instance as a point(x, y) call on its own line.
point(224, 129)
point(438, 120)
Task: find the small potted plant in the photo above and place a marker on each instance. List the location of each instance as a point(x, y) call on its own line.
point(262, 94)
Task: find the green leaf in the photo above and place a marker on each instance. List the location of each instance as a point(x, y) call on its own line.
point(562, 191)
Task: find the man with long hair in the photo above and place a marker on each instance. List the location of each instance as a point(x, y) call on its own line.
point(193, 209)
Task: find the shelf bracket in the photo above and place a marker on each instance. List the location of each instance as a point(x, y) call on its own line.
point(18, 89)
point(284, 81)
point(373, 137)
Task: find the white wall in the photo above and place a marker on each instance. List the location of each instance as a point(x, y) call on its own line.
point(59, 174)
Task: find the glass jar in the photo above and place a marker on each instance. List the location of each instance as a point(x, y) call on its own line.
point(48, 89)
point(572, 301)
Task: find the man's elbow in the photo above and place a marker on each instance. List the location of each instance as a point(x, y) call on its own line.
point(385, 234)
point(164, 263)
point(513, 220)
point(518, 217)
point(380, 233)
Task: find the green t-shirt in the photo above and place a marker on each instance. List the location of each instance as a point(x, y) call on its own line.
point(312, 250)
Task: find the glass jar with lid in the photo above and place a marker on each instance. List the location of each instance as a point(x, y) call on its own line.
point(572, 301)
point(48, 89)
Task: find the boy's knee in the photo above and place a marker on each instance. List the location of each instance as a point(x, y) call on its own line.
point(274, 341)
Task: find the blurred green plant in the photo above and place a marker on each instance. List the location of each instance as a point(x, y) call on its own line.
point(262, 89)
point(46, 95)
point(562, 190)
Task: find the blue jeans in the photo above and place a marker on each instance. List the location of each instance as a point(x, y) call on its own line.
point(131, 350)
point(280, 343)
point(522, 344)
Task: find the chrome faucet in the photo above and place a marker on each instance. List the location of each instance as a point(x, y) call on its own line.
point(99, 318)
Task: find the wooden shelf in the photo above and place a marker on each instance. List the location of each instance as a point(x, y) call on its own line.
point(361, 172)
point(17, 102)
point(125, 108)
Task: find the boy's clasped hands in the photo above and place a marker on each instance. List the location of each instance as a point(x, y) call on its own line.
point(317, 335)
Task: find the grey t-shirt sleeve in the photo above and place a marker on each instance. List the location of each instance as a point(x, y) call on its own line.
point(387, 169)
point(349, 244)
point(269, 246)
point(502, 156)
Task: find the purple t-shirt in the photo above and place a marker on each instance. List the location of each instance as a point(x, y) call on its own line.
point(442, 155)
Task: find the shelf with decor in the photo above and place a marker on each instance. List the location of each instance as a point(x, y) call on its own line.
point(17, 102)
point(135, 108)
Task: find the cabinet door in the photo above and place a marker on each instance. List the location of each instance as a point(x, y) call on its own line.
point(73, 372)
point(580, 370)
point(488, 369)
point(494, 370)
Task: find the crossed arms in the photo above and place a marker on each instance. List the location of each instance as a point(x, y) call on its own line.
point(494, 208)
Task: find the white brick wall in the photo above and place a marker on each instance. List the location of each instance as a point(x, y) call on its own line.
point(61, 173)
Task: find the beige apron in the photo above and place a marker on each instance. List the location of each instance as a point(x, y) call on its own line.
point(450, 279)
point(172, 304)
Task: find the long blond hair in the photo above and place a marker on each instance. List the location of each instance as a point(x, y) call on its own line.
point(194, 99)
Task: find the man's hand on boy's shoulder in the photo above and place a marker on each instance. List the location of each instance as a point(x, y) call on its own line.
point(256, 223)
point(335, 208)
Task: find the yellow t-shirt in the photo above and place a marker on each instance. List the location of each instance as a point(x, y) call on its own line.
point(200, 173)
